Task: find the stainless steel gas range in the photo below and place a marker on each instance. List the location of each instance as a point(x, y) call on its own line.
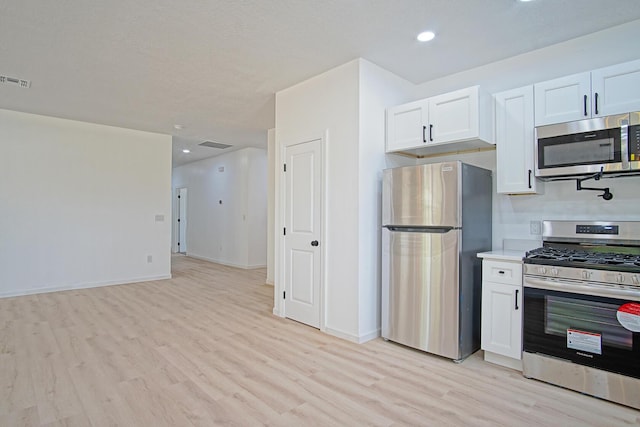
point(582, 309)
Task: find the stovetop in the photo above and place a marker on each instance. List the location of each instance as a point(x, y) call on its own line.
point(597, 259)
point(613, 246)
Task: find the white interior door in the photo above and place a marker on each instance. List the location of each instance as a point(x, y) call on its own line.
point(303, 221)
point(182, 220)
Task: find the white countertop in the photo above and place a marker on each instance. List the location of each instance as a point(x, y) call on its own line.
point(503, 254)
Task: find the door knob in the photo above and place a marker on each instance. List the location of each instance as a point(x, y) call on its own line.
point(314, 243)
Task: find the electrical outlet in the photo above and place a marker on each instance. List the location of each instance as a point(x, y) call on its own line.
point(149, 258)
point(535, 228)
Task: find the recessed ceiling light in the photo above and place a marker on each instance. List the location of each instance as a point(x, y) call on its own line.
point(178, 127)
point(426, 36)
point(186, 150)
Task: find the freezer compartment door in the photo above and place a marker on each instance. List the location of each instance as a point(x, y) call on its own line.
point(424, 195)
point(420, 291)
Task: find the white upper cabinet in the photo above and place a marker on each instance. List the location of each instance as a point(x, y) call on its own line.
point(462, 117)
point(407, 125)
point(515, 141)
point(616, 89)
point(454, 116)
point(602, 92)
point(563, 100)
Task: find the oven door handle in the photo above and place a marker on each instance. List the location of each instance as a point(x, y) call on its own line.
point(586, 288)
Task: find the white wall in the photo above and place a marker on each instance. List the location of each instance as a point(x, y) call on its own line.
point(378, 88)
point(512, 214)
point(226, 207)
point(78, 204)
point(349, 103)
point(600, 49)
point(256, 203)
point(271, 207)
point(328, 102)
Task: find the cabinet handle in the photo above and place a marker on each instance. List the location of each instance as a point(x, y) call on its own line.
point(430, 132)
point(517, 290)
point(529, 178)
point(424, 136)
point(596, 99)
point(585, 105)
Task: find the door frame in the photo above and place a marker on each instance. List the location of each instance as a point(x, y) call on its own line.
point(279, 308)
point(176, 225)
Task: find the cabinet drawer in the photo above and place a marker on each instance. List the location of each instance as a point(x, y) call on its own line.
point(502, 272)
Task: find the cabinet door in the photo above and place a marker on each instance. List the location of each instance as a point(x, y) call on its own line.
point(616, 89)
point(515, 141)
point(563, 100)
point(454, 116)
point(407, 126)
point(501, 331)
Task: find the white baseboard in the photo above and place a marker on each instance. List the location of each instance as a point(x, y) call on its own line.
point(47, 289)
point(369, 336)
point(501, 360)
point(358, 339)
point(229, 264)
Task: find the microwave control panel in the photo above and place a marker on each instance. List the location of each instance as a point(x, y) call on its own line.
point(634, 143)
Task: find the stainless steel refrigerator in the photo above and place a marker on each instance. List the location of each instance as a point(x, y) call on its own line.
point(435, 219)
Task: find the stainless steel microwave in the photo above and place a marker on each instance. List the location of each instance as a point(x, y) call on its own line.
point(610, 145)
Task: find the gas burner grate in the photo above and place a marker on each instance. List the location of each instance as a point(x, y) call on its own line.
point(580, 258)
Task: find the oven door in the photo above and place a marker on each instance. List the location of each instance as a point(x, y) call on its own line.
point(591, 325)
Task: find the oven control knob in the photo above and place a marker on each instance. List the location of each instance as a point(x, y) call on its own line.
point(554, 271)
point(635, 280)
point(619, 278)
point(542, 270)
point(586, 274)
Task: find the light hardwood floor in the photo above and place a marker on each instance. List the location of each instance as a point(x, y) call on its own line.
point(204, 349)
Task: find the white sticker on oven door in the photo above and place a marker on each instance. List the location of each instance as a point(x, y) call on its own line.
point(629, 316)
point(584, 341)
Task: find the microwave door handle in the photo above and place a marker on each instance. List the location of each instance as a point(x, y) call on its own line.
point(624, 144)
point(585, 105)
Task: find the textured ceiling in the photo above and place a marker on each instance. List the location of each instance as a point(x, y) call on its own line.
point(214, 66)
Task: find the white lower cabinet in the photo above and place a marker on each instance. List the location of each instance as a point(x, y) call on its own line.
point(501, 332)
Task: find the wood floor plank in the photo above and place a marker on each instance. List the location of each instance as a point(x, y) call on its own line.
point(27, 417)
point(16, 386)
point(155, 408)
point(55, 393)
point(100, 397)
point(79, 420)
point(204, 348)
point(7, 340)
point(203, 371)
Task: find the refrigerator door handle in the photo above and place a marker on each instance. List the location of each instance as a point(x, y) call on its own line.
point(435, 230)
